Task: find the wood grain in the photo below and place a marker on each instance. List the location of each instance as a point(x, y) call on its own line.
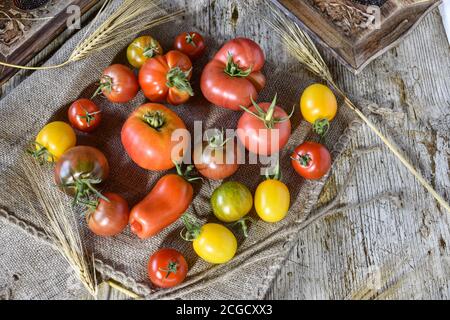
point(335, 258)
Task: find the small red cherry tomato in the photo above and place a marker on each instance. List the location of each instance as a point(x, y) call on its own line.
point(109, 217)
point(167, 268)
point(191, 44)
point(84, 115)
point(118, 84)
point(311, 160)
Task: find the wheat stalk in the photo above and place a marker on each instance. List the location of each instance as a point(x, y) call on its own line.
point(300, 45)
point(35, 188)
point(130, 18)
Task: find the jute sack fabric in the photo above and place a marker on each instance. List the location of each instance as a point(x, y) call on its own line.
point(30, 268)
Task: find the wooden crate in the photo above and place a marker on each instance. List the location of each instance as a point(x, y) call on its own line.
point(24, 32)
point(349, 30)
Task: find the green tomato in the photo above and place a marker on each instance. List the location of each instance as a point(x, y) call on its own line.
point(231, 201)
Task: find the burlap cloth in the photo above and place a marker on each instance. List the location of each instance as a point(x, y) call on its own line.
point(31, 269)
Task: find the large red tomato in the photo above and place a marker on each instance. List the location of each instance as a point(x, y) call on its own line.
point(118, 84)
point(147, 137)
point(311, 160)
point(234, 76)
point(166, 78)
point(264, 128)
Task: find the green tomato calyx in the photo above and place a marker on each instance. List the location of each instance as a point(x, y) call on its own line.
point(106, 85)
point(84, 187)
point(180, 79)
point(234, 70)
point(188, 173)
point(155, 119)
point(40, 153)
point(304, 159)
point(88, 116)
point(190, 39)
point(321, 127)
point(192, 227)
point(172, 267)
point(267, 116)
point(152, 50)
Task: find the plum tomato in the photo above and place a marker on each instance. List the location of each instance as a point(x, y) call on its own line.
point(272, 200)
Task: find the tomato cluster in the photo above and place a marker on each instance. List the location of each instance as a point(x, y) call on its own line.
point(232, 80)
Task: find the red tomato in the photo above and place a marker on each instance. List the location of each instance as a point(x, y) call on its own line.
point(147, 137)
point(191, 44)
point(118, 84)
point(234, 76)
point(166, 78)
point(84, 115)
point(109, 217)
point(311, 160)
point(217, 159)
point(264, 129)
point(167, 268)
point(165, 204)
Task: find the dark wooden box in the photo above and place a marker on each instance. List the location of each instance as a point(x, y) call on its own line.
point(356, 33)
point(28, 26)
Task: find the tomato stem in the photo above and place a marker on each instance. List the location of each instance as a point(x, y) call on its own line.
point(106, 83)
point(88, 116)
point(192, 227)
point(304, 159)
point(40, 153)
point(172, 267)
point(321, 127)
point(233, 70)
point(190, 40)
point(180, 79)
point(187, 174)
point(267, 116)
point(276, 174)
point(242, 223)
point(155, 119)
point(152, 50)
point(217, 141)
point(84, 187)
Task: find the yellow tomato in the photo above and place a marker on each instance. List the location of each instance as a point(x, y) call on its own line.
point(272, 200)
point(142, 49)
point(318, 105)
point(53, 140)
point(215, 243)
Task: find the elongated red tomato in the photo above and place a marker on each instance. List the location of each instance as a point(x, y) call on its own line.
point(166, 78)
point(165, 204)
point(234, 76)
point(147, 137)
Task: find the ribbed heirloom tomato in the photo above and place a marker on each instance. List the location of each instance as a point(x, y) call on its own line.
point(234, 75)
point(147, 137)
point(166, 78)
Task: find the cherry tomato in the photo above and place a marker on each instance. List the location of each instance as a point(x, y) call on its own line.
point(84, 115)
point(167, 202)
point(142, 49)
point(319, 107)
point(167, 268)
point(109, 217)
point(52, 141)
point(118, 84)
point(212, 242)
point(147, 137)
point(234, 76)
point(264, 129)
point(231, 201)
point(311, 160)
point(191, 44)
point(272, 200)
point(166, 78)
point(217, 158)
point(80, 170)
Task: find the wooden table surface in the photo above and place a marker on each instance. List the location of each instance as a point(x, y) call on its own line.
point(403, 246)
